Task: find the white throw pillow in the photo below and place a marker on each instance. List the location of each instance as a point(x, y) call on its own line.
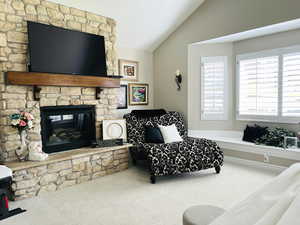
point(170, 133)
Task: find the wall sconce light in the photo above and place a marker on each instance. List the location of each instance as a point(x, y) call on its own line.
point(178, 79)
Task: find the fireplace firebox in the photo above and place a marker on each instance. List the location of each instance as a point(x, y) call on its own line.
point(67, 127)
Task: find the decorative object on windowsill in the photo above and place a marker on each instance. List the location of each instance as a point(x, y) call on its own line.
point(138, 94)
point(290, 142)
point(178, 79)
point(275, 137)
point(129, 69)
point(23, 121)
point(122, 98)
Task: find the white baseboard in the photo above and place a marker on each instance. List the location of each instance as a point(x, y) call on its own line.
point(253, 163)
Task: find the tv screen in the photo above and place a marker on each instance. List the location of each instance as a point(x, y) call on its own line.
point(57, 50)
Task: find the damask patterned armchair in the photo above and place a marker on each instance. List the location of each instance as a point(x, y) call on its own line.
point(189, 155)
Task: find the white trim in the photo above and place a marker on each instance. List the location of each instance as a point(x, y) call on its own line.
point(266, 53)
point(214, 116)
point(242, 146)
point(256, 164)
point(264, 118)
point(260, 54)
point(254, 33)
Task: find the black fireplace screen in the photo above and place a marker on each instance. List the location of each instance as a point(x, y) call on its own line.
point(67, 127)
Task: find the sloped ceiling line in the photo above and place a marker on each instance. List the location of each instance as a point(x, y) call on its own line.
point(141, 24)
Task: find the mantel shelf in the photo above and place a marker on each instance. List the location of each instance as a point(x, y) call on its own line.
point(64, 80)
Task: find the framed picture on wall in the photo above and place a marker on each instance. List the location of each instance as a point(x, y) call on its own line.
point(129, 69)
point(138, 94)
point(122, 98)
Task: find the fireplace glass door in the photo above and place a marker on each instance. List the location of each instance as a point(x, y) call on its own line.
point(67, 127)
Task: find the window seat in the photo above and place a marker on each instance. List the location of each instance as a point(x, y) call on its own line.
point(232, 140)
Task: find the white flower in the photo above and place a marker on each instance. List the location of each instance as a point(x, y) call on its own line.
point(30, 124)
point(15, 122)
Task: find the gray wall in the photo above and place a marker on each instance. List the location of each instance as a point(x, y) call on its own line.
point(213, 19)
point(194, 86)
point(145, 74)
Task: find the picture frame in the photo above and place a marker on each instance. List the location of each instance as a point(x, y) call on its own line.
point(138, 94)
point(129, 69)
point(290, 142)
point(122, 98)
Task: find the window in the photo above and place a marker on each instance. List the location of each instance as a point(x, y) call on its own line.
point(258, 86)
point(291, 85)
point(214, 88)
point(268, 85)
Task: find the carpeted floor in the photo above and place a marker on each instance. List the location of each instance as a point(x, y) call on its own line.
point(127, 198)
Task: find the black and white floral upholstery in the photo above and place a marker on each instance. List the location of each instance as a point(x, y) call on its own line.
point(190, 155)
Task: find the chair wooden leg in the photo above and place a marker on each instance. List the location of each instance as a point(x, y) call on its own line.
point(152, 179)
point(218, 169)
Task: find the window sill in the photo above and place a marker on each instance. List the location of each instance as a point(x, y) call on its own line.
point(232, 140)
point(271, 120)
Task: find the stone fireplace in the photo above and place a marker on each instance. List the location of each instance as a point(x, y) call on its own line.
point(13, 57)
point(67, 127)
point(62, 114)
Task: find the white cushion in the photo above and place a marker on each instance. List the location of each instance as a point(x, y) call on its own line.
point(170, 133)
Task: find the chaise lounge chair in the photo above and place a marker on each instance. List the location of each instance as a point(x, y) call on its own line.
point(189, 155)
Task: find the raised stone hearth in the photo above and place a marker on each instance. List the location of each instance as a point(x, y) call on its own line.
point(66, 169)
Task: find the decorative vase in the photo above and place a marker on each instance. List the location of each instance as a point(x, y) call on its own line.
point(22, 151)
point(35, 152)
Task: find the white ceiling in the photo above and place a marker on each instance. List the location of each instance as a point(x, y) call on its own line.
point(141, 24)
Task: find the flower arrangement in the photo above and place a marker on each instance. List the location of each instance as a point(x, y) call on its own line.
point(22, 121)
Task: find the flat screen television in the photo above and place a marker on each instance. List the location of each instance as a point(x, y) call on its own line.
point(57, 50)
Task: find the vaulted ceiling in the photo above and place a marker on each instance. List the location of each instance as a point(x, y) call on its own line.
point(141, 24)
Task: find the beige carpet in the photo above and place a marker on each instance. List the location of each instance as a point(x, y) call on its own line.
point(127, 198)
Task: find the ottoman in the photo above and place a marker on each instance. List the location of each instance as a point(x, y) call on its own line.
point(6, 179)
point(201, 214)
point(5, 191)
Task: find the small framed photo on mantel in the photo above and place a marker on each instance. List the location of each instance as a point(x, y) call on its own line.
point(138, 94)
point(129, 69)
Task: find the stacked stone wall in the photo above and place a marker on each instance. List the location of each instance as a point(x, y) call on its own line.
point(14, 15)
point(35, 180)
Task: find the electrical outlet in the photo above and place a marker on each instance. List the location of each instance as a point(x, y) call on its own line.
point(266, 157)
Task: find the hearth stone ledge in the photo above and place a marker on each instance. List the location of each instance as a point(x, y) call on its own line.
point(66, 169)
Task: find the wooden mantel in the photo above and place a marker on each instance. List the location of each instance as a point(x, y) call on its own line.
point(64, 80)
point(47, 79)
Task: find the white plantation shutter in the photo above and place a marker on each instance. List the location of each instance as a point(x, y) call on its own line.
point(258, 86)
point(268, 85)
point(213, 88)
point(291, 85)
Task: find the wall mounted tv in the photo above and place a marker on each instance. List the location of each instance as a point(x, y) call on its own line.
point(57, 50)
